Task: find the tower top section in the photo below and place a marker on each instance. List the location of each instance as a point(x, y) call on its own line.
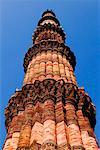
point(48, 17)
point(48, 22)
point(48, 13)
point(49, 36)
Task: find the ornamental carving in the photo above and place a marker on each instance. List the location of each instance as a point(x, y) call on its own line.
point(50, 112)
point(49, 45)
point(54, 90)
point(87, 107)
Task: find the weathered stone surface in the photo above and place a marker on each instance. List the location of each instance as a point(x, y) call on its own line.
point(50, 100)
point(15, 139)
point(59, 112)
point(74, 135)
point(37, 133)
point(49, 133)
point(24, 139)
point(8, 144)
point(61, 135)
point(50, 65)
point(50, 112)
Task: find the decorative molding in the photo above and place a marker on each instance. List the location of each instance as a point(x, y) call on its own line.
point(51, 45)
point(49, 89)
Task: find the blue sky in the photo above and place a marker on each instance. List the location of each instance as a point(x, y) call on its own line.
point(80, 20)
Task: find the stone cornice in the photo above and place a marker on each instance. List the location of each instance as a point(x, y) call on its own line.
point(52, 45)
point(50, 89)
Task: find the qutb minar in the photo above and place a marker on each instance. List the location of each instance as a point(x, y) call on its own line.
point(50, 111)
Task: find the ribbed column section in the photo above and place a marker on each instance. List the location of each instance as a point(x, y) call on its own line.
point(8, 140)
point(62, 142)
point(85, 107)
point(25, 133)
point(36, 139)
point(42, 66)
point(49, 134)
point(61, 133)
point(17, 128)
point(16, 133)
point(56, 70)
point(49, 65)
point(14, 128)
point(91, 141)
point(73, 130)
point(86, 132)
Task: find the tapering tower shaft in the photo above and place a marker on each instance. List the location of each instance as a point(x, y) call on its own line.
point(49, 57)
point(50, 112)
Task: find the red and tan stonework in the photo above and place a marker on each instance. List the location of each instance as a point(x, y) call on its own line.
point(50, 112)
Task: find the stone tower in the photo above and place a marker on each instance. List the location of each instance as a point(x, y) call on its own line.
point(50, 112)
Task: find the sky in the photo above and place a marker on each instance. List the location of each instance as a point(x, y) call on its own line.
point(80, 20)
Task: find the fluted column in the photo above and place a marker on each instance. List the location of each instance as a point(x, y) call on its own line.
point(74, 136)
point(49, 65)
point(36, 139)
point(61, 133)
point(25, 133)
point(13, 128)
point(56, 70)
point(49, 135)
point(72, 127)
point(8, 140)
point(42, 66)
point(83, 113)
point(61, 127)
point(91, 141)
